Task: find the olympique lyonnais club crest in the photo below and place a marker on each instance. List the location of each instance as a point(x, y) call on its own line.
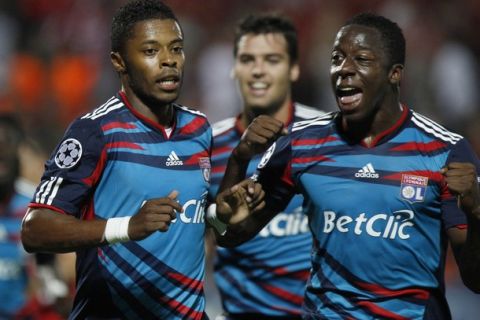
point(413, 188)
point(205, 166)
point(68, 154)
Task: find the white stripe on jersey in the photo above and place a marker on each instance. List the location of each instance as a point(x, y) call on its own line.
point(110, 108)
point(435, 129)
point(318, 121)
point(306, 112)
point(191, 110)
point(101, 108)
point(223, 125)
point(439, 128)
point(46, 190)
point(54, 191)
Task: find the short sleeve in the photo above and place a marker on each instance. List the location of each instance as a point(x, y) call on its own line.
point(274, 174)
point(73, 169)
point(451, 213)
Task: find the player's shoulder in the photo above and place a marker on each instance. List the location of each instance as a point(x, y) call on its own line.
point(223, 126)
point(190, 110)
point(433, 129)
point(321, 121)
point(306, 112)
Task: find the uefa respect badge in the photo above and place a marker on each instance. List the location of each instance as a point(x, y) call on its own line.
point(413, 188)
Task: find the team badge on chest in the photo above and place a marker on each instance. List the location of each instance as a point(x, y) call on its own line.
point(413, 188)
point(204, 164)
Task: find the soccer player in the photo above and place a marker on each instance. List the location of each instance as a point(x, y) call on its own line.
point(386, 189)
point(14, 262)
point(127, 185)
point(262, 279)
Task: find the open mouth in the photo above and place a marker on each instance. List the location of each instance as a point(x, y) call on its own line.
point(168, 84)
point(258, 87)
point(349, 95)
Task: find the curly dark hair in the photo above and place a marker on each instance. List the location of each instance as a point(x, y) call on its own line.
point(268, 23)
point(390, 34)
point(133, 12)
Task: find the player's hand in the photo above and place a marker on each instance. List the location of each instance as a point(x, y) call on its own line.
point(154, 215)
point(259, 136)
point(237, 203)
point(461, 178)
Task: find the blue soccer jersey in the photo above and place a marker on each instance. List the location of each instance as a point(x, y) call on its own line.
point(266, 275)
point(109, 162)
point(13, 259)
point(378, 215)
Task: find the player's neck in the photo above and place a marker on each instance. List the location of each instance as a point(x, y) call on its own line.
point(161, 114)
point(370, 130)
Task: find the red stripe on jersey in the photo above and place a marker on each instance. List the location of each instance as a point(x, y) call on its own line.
point(197, 123)
point(284, 294)
point(310, 142)
point(424, 147)
point(462, 226)
point(378, 290)
point(311, 159)
point(196, 285)
point(123, 144)
point(118, 125)
point(219, 169)
point(95, 176)
point(222, 150)
point(46, 206)
point(287, 177)
point(380, 312)
point(195, 157)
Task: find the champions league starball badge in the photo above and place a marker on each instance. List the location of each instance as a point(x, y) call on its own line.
point(68, 154)
point(266, 156)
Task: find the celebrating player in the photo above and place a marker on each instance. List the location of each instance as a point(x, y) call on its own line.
point(118, 177)
point(386, 189)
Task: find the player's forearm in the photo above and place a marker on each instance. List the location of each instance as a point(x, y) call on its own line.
point(469, 263)
point(48, 231)
point(235, 172)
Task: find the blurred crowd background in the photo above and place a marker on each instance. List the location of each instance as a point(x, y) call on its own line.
point(55, 66)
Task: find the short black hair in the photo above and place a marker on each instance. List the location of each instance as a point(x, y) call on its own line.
point(268, 23)
point(131, 13)
point(390, 33)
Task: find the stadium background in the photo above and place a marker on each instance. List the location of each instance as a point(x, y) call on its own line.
point(54, 66)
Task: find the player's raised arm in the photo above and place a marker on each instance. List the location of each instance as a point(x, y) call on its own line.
point(258, 137)
point(462, 182)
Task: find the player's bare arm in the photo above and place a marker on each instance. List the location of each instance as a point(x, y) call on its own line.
point(45, 230)
point(462, 181)
point(258, 137)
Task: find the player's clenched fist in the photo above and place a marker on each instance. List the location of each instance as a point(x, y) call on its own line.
point(462, 181)
point(259, 136)
point(154, 215)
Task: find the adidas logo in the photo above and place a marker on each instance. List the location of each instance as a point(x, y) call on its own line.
point(367, 172)
point(173, 160)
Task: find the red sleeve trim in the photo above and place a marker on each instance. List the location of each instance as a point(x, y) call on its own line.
point(38, 205)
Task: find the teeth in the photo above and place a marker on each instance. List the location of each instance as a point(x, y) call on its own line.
point(259, 85)
point(168, 82)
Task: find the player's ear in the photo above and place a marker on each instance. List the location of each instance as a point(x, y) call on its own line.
point(294, 72)
point(118, 62)
point(396, 74)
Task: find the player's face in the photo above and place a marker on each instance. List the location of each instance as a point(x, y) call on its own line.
point(359, 72)
point(154, 60)
point(264, 71)
point(8, 157)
